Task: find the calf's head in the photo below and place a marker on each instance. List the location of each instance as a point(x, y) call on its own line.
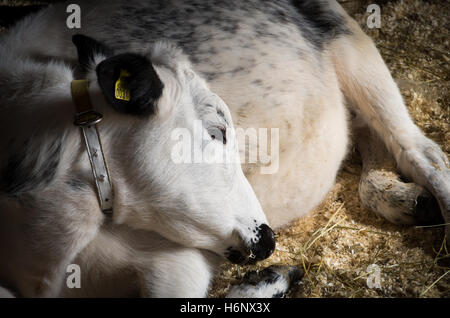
point(172, 152)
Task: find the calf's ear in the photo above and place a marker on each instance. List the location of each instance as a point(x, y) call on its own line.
point(130, 84)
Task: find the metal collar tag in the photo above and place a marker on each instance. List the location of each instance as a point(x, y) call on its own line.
point(87, 119)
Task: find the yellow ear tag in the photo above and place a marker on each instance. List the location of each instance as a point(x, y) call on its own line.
point(121, 92)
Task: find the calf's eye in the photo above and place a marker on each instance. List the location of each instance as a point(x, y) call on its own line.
point(218, 133)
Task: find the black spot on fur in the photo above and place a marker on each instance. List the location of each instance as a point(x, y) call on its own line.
point(143, 83)
point(9, 15)
point(24, 172)
point(319, 22)
point(77, 184)
point(267, 276)
point(191, 23)
point(237, 70)
point(210, 76)
point(88, 48)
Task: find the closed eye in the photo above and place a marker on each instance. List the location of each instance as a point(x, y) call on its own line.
point(218, 133)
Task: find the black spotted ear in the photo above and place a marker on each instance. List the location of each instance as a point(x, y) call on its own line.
point(130, 84)
point(88, 49)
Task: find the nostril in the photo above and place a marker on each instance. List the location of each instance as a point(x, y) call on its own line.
point(266, 243)
point(235, 257)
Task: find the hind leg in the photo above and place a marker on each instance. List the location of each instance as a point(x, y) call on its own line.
point(369, 87)
point(383, 192)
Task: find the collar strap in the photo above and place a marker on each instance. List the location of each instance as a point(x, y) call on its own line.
point(87, 119)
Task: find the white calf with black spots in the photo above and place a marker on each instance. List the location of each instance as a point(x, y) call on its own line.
point(288, 65)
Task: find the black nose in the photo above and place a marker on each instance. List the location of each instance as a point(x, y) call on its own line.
point(265, 246)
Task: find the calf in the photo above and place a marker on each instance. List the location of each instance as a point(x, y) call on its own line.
point(284, 65)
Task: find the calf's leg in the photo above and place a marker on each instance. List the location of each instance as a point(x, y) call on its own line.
point(369, 87)
point(382, 191)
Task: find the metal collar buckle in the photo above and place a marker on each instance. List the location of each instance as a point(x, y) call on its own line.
point(87, 119)
point(90, 117)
